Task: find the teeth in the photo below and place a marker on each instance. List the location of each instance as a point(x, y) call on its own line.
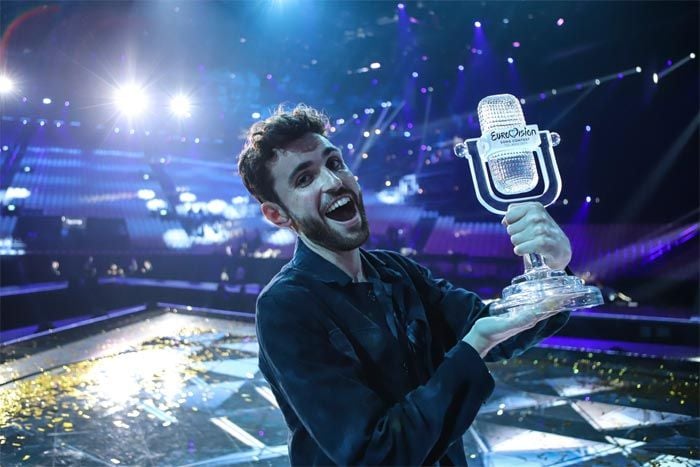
point(336, 204)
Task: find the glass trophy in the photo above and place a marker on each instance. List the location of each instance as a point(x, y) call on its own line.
point(511, 163)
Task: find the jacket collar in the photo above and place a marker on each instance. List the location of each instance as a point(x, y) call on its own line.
point(312, 264)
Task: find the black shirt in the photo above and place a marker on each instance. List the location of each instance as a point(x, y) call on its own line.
point(376, 372)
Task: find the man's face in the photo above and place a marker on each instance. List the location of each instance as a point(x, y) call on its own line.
point(319, 194)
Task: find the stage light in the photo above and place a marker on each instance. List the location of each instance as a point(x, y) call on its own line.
point(506, 21)
point(156, 204)
point(460, 67)
point(597, 82)
point(516, 44)
point(375, 65)
point(46, 100)
point(268, 76)
point(365, 134)
point(6, 85)
point(66, 104)
point(180, 106)
point(350, 146)
point(27, 169)
point(130, 99)
point(407, 134)
point(414, 74)
point(477, 24)
point(255, 115)
point(638, 69)
point(365, 155)
point(146, 194)
point(400, 6)
point(510, 59)
point(377, 131)
point(13, 192)
point(188, 197)
point(216, 206)
point(5, 147)
point(42, 123)
point(655, 78)
point(560, 22)
point(692, 55)
point(387, 183)
point(588, 199)
point(196, 141)
point(116, 130)
point(11, 207)
point(565, 201)
point(340, 121)
point(588, 128)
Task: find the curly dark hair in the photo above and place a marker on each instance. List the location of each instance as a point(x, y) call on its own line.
point(276, 132)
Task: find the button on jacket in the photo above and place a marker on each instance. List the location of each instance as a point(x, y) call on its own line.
point(376, 372)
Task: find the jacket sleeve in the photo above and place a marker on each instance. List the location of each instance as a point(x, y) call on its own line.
point(331, 397)
point(461, 308)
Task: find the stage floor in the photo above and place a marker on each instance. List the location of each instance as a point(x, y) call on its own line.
point(178, 387)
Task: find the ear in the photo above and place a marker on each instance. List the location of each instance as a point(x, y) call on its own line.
point(274, 213)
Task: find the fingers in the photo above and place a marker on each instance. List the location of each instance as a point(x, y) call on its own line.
point(532, 230)
point(517, 211)
point(541, 245)
point(522, 231)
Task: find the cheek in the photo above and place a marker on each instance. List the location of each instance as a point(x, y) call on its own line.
point(304, 204)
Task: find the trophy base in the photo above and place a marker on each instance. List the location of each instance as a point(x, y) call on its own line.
point(547, 292)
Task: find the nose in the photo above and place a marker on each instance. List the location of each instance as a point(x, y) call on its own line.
point(330, 181)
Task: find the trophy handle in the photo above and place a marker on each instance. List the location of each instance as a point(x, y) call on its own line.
point(490, 198)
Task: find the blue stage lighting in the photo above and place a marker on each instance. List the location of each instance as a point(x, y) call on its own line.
point(6, 84)
point(130, 99)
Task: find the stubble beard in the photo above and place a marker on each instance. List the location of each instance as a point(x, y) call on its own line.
point(322, 234)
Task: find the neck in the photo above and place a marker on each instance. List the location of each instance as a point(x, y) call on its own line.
point(348, 261)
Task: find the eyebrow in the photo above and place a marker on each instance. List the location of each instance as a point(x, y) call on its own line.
point(305, 165)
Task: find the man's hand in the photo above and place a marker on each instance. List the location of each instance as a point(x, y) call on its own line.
point(490, 331)
point(532, 230)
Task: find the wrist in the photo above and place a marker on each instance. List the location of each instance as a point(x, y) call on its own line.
point(476, 341)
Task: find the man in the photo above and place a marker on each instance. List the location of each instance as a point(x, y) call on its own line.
point(372, 360)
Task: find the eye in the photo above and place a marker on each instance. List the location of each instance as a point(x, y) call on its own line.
point(303, 179)
point(335, 163)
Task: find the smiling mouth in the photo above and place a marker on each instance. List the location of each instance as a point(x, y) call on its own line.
point(342, 210)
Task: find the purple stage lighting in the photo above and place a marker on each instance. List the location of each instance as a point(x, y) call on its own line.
point(477, 24)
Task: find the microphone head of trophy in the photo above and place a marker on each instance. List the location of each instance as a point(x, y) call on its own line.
point(513, 172)
point(508, 161)
point(514, 162)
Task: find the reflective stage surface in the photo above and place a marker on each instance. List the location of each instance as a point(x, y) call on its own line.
point(174, 388)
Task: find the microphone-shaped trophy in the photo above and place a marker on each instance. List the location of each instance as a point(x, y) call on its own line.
point(513, 162)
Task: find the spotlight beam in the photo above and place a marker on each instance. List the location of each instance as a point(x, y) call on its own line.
point(676, 65)
point(658, 173)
